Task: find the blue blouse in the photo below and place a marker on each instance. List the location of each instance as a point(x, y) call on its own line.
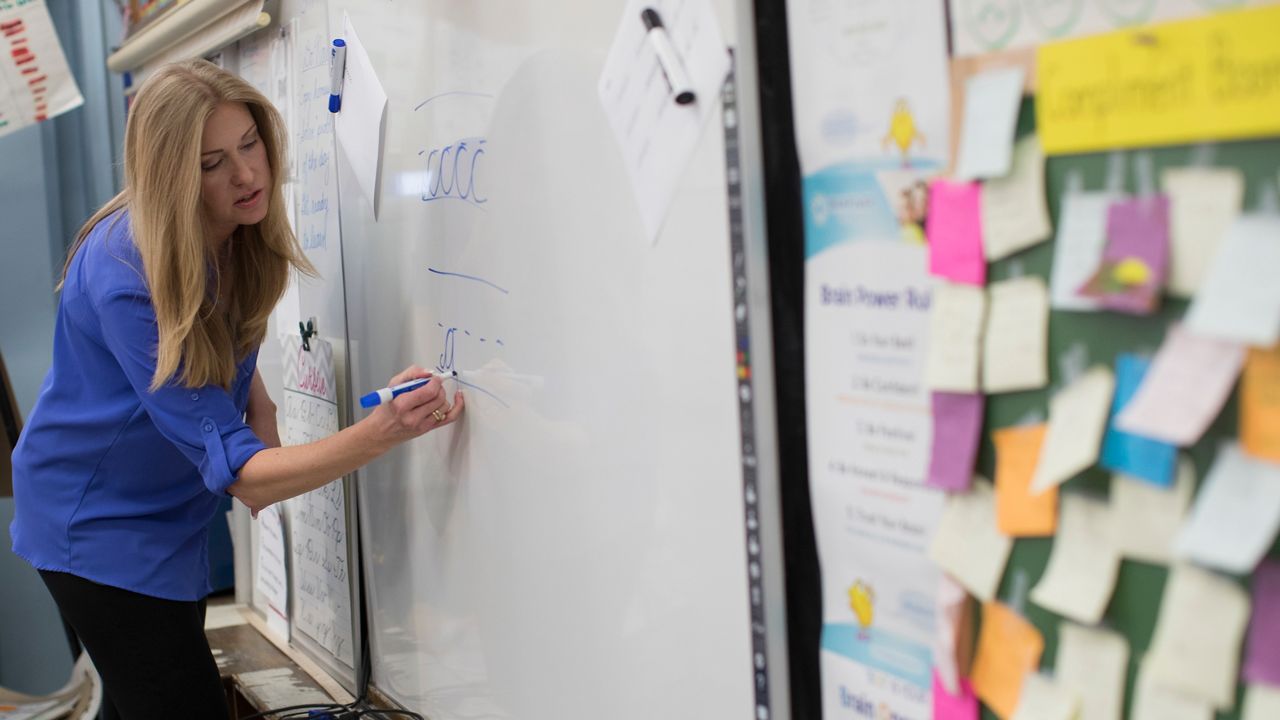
point(112, 482)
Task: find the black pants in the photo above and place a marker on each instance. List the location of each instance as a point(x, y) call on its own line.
point(152, 654)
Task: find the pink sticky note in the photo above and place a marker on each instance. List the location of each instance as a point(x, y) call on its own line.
point(1262, 653)
point(954, 707)
point(954, 228)
point(957, 427)
point(1135, 261)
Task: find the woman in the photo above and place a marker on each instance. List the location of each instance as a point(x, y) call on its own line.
point(153, 409)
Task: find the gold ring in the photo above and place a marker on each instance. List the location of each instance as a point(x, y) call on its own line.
point(439, 416)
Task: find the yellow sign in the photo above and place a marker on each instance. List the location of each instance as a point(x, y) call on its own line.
point(1213, 78)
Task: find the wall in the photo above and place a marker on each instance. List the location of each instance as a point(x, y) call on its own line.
point(67, 169)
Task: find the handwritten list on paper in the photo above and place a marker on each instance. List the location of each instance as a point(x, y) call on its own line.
point(966, 543)
point(1009, 649)
point(1239, 299)
point(1196, 646)
point(954, 228)
point(1019, 513)
point(1203, 202)
point(1083, 568)
point(1094, 664)
point(1235, 516)
point(320, 580)
point(1016, 341)
point(955, 335)
point(35, 81)
point(1260, 404)
point(1189, 380)
point(271, 580)
point(1146, 518)
point(313, 149)
point(1077, 419)
point(1015, 215)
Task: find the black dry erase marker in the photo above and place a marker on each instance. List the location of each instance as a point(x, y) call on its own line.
point(672, 68)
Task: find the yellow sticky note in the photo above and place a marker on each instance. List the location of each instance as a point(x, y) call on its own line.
point(1260, 404)
point(1009, 647)
point(1166, 84)
point(1018, 512)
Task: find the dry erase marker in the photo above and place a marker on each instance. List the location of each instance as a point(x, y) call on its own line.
point(337, 65)
point(377, 397)
point(672, 68)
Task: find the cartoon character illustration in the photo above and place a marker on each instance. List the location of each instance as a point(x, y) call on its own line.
point(903, 131)
point(915, 211)
point(862, 601)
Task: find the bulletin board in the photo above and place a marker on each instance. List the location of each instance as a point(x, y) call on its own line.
point(1135, 605)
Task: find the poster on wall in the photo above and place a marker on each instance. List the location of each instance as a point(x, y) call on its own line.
point(871, 99)
point(35, 81)
point(979, 27)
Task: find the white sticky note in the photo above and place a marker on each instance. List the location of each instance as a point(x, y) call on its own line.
point(1152, 701)
point(949, 619)
point(1240, 298)
point(272, 580)
point(1077, 419)
point(1236, 515)
point(1082, 570)
point(1043, 699)
point(1015, 344)
point(1078, 246)
point(1183, 391)
point(967, 544)
point(1094, 663)
point(1015, 215)
point(991, 101)
point(1261, 703)
point(1203, 202)
point(1196, 647)
point(1146, 518)
point(955, 334)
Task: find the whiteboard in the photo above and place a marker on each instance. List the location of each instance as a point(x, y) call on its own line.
point(576, 547)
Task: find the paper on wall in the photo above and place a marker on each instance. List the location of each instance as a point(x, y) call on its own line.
point(1014, 213)
point(967, 544)
point(1017, 336)
point(1094, 663)
point(1146, 518)
point(955, 333)
point(1203, 204)
point(1083, 568)
point(1236, 515)
point(1077, 418)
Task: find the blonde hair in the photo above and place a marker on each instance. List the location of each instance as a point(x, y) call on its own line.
point(197, 345)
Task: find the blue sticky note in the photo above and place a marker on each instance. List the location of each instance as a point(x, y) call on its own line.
point(1131, 454)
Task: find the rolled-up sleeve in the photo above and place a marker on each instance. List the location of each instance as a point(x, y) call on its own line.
point(203, 423)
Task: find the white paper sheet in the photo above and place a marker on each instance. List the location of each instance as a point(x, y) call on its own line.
point(967, 544)
point(35, 82)
point(1196, 647)
point(1082, 235)
point(1185, 388)
point(1261, 703)
point(1236, 515)
point(991, 102)
point(272, 578)
point(1203, 202)
point(1146, 518)
point(1017, 336)
point(1154, 702)
point(656, 135)
point(1044, 699)
point(361, 123)
point(1094, 663)
point(949, 619)
point(1082, 570)
point(1077, 419)
point(955, 333)
point(1239, 299)
point(1015, 215)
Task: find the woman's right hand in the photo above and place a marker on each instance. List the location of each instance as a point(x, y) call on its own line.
point(417, 412)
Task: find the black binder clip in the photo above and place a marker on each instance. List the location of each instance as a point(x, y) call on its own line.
point(307, 330)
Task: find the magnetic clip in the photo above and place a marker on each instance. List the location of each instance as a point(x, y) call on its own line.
point(307, 330)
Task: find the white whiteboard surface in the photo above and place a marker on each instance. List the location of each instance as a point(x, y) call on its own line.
point(573, 549)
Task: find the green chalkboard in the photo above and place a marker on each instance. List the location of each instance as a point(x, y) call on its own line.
point(1136, 603)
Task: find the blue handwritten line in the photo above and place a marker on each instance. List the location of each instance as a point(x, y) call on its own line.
point(503, 290)
point(452, 92)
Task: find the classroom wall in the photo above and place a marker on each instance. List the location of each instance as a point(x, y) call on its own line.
point(69, 166)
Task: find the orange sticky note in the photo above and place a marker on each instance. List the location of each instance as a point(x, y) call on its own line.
point(1260, 404)
point(1019, 513)
point(1009, 647)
